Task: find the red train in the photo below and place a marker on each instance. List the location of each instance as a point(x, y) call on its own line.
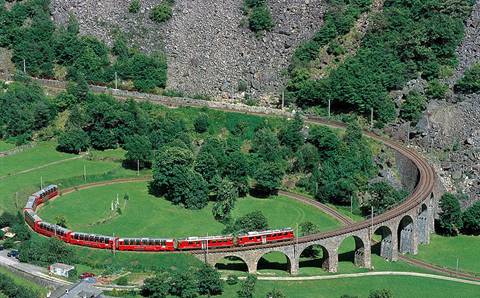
point(141, 244)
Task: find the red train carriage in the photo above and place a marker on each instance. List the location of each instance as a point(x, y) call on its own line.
point(263, 237)
point(204, 242)
point(93, 240)
point(46, 194)
point(51, 230)
point(32, 219)
point(31, 203)
point(146, 244)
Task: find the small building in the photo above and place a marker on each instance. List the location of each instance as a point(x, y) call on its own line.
point(7, 232)
point(60, 269)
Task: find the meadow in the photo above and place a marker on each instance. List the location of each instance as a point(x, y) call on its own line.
point(144, 215)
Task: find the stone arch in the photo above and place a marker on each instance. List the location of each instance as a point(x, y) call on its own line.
point(310, 257)
point(235, 263)
point(385, 247)
point(360, 254)
point(405, 234)
point(290, 266)
point(423, 225)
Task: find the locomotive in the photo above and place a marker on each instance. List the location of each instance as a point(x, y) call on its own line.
point(141, 244)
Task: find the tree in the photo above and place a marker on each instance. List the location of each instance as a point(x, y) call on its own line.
point(139, 150)
point(158, 286)
point(308, 228)
point(326, 141)
point(450, 217)
point(413, 106)
point(470, 82)
point(383, 293)
point(471, 219)
point(225, 197)
point(247, 287)
point(74, 140)
point(307, 158)
point(232, 279)
point(174, 177)
point(260, 19)
point(201, 123)
point(275, 293)
point(236, 169)
point(383, 197)
point(184, 284)
point(209, 282)
point(253, 221)
point(206, 165)
point(291, 135)
point(268, 177)
point(266, 145)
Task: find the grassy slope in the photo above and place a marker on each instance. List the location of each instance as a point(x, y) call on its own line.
point(145, 215)
point(21, 281)
point(444, 251)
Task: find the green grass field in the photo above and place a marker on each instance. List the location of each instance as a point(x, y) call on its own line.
point(4, 146)
point(401, 287)
point(145, 215)
point(444, 251)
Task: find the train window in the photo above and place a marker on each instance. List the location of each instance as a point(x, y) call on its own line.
point(138, 241)
point(106, 241)
point(81, 237)
point(97, 238)
point(163, 242)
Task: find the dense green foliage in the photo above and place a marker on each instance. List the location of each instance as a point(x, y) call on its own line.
point(10, 288)
point(405, 40)
point(383, 293)
point(471, 219)
point(190, 283)
point(470, 82)
point(28, 30)
point(45, 252)
point(259, 15)
point(162, 12)
point(25, 109)
point(383, 197)
point(74, 140)
point(413, 106)
point(134, 6)
point(450, 217)
point(247, 287)
point(253, 221)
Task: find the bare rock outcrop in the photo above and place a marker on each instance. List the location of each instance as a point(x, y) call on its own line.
point(208, 46)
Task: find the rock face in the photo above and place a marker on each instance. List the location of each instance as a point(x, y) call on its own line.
point(207, 42)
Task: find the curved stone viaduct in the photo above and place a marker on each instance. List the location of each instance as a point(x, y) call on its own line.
point(402, 228)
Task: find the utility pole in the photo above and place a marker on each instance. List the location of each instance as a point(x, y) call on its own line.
point(116, 80)
point(371, 118)
point(329, 107)
point(283, 100)
point(84, 172)
point(24, 66)
point(138, 167)
point(408, 133)
point(41, 182)
point(372, 221)
point(351, 204)
point(457, 266)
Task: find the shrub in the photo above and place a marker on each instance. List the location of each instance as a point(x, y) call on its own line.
point(436, 90)
point(260, 19)
point(134, 6)
point(122, 281)
point(201, 123)
point(471, 219)
point(413, 106)
point(232, 279)
point(162, 12)
point(74, 140)
point(450, 218)
point(470, 82)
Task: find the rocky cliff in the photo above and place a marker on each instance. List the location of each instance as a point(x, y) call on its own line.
point(208, 45)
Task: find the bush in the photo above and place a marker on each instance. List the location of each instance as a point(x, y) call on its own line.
point(122, 281)
point(232, 279)
point(73, 141)
point(470, 82)
point(450, 217)
point(436, 90)
point(471, 219)
point(134, 6)
point(260, 19)
point(162, 12)
point(201, 123)
point(413, 106)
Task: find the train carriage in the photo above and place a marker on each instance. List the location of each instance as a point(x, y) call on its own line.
point(93, 240)
point(146, 244)
point(31, 203)
point(46, 194)
point(32, 219)
point(51, 230)
point(262, 237)
point(204, 242)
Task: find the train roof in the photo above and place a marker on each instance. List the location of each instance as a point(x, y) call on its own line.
point(56, 227)
point(160, 239)
point(47, 188)
point(267, 232)
point(194, 238)
point(30, 202)
point(34, 215)
point(95, 235)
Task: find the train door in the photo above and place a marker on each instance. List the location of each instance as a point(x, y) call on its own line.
point(204, 244)
point(264, 239)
